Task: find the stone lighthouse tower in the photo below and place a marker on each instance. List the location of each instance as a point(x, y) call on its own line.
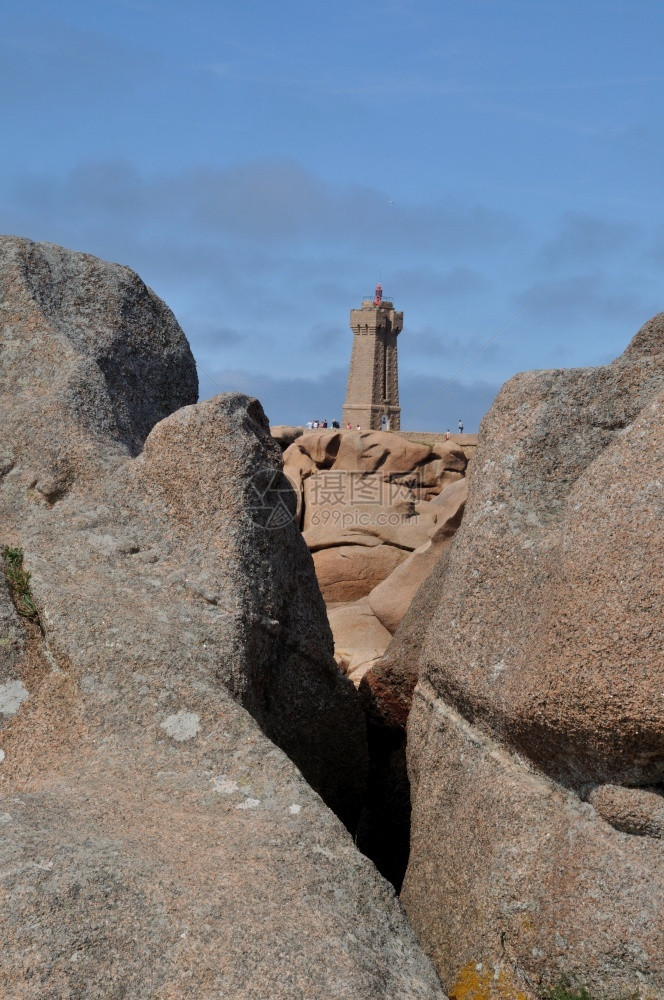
point(372, 396)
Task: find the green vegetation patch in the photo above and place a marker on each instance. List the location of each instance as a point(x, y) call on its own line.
point(19, 584)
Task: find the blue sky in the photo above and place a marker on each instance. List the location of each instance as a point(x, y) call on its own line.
point(262, 164)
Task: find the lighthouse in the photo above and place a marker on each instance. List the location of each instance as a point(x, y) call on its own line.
point(372, 394)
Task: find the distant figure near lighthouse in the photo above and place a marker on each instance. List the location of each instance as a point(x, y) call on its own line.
point(372, 396)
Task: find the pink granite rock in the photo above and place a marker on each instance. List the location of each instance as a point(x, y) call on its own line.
point(373, 451)
point(154, 842)
point(540, 679)
point(390, 600)
point(348, 572)
point(359, 638)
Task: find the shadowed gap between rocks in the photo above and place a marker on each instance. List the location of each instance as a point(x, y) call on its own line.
point(367, 596)
point(383, 833)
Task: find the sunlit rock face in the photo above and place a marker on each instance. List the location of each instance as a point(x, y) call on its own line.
point(370, 511)
point(536, 738)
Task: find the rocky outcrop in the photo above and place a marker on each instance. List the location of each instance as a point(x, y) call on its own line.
point(536, 738)
point(423, 470)
point(391, 598)
point(154, 842)
point(285, 435)
point(385, 669)
point(365, 502)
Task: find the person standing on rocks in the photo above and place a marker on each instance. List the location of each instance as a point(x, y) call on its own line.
point(460, 426)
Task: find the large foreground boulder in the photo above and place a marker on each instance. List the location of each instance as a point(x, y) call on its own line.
point(540, 684)
point(154, 841)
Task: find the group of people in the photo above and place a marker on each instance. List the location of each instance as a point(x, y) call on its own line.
point(447, 432)
point(315, 424)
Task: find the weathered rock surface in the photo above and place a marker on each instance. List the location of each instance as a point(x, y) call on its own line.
point(565, 527)
point(403, 606)
point(89, 354)
point(424, 470)
point(153, 841)
point(639, 811)
point(285, 435)
point(406, 527)
point(360, 497)
point(342, 500)
point(348, 572)
point(392, 597)
point(511, 871)
point(541, 678)
point(359, 638)
point(185, 857)
point(320, 446)
point(371, 451)
point(12, 648)
point(466, 442)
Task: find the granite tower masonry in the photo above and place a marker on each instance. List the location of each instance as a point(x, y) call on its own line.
point(372, 396)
